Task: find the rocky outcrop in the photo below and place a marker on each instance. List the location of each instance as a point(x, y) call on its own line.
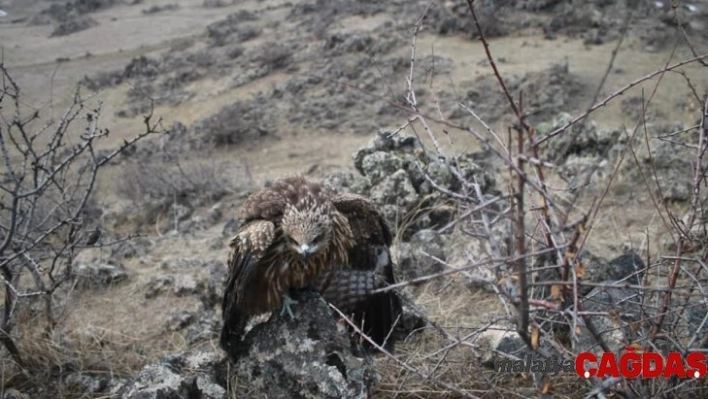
point(183, 375)
point(307, 357)
point(403, 179)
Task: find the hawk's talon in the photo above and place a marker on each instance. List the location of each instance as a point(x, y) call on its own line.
point(287, 301)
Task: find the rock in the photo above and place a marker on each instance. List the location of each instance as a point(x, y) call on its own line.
point(438, 172)
point(180, 319)
point(99, 274)
point(378, 165)
point(498, 338)
point(187, 284)
point(582, 140)
point(628, 266)
point(205, 327)
point(616, 331)
point(674, 168)
point(89, 384)
point(387, 142)
point(412, 259)
point(184, 375)
point(502, 344)
point(157, 285)
point(308, 357)
point(394, 167)
point(346, 182)
point(395, 189)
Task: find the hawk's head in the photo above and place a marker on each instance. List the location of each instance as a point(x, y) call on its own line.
point(307, 228)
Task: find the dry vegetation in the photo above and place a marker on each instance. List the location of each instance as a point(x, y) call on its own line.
point(47, 216)
point(516, 264)
point(541, 277)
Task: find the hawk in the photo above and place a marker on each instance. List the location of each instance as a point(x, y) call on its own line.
point(295, 235)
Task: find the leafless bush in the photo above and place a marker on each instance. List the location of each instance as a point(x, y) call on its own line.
point(541, 276)
point(237, 123)
point(157, 9)
point(73, 25)
point(273, 56)
point(165, 182)
point(49, 174)
point(219, 32)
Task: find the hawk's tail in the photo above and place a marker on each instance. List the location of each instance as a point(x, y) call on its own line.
point(375, 314)
point(232, 335)
point(379, 316)
point(234, 321)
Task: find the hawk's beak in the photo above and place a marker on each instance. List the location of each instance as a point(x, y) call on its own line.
point(305, 251)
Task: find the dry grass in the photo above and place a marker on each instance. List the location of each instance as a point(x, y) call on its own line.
point(96, 338)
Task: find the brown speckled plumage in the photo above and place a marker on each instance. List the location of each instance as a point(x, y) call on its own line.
point(283, 222)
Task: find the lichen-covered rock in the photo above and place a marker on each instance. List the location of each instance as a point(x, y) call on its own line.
point(206, 326)
point(308, 357)
point(401, 178)
point(582, 139)
point(379, 164)
point(387, 142)
point(183, 375)
point(395, 189)
point(415, 258)
point(672, 164)
point(347, 182)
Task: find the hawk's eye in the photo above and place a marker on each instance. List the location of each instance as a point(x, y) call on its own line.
point(318, 238)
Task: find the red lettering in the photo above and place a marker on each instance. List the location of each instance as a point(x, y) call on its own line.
point(697, 362)
point(580, 365)
point(674, 366)
point(647, 370)
point(630, 363)
point(608, 366)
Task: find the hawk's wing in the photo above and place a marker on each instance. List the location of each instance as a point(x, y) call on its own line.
point(247, 290)
point(372, 236)
point(370, 268)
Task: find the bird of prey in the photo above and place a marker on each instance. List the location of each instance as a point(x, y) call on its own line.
point(298, 235)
